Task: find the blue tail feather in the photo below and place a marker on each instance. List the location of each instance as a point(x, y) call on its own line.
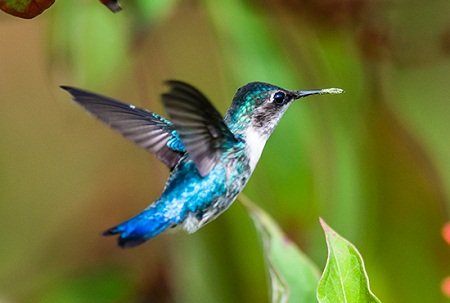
point(142, 227)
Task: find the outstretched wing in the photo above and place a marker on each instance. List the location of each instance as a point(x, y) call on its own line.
point(200, 126)
point(146, 129)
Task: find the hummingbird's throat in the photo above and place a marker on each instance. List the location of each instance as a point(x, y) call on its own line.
point(255, 141)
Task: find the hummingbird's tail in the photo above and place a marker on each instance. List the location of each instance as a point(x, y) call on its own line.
point(148, 224)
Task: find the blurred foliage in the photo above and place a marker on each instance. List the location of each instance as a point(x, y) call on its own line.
point(374, 162)
point(100, 285)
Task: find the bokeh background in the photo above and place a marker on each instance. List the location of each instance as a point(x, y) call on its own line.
point(374, 162)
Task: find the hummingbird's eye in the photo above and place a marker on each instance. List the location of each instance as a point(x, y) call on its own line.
point(279, 98)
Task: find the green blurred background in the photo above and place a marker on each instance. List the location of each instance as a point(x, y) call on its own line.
point(374, 162)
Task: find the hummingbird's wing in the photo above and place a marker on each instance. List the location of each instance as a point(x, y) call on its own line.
point(148, 130)
point(200, 126)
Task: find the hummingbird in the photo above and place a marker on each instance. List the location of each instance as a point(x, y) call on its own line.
point(210, 158)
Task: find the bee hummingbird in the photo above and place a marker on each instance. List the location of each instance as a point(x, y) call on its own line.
point(210, 158)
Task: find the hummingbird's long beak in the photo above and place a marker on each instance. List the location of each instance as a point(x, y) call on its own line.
point(304, 93)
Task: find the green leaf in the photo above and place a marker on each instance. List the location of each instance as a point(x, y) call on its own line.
point(344, 278)
point(293, 276)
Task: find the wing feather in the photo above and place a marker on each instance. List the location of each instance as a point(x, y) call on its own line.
point(200, 126)
point(148, 130)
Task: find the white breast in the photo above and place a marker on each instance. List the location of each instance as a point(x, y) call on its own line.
point(255, 145)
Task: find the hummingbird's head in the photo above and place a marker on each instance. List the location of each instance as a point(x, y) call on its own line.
point(261, 105)
point(256, 109)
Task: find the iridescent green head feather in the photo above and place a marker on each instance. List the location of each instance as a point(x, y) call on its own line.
point(261, 105)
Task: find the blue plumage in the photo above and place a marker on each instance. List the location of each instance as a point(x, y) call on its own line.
point(187, 199)
point(211, 159)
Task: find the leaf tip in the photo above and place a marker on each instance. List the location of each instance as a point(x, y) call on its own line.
point(324, 225)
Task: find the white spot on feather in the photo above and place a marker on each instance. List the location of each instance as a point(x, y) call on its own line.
point(191, 224)
point(132, 106)
point(255, 145)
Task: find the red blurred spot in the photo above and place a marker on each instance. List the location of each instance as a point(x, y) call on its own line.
point(25, 9)
point(445, 287)
point(446, 232)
